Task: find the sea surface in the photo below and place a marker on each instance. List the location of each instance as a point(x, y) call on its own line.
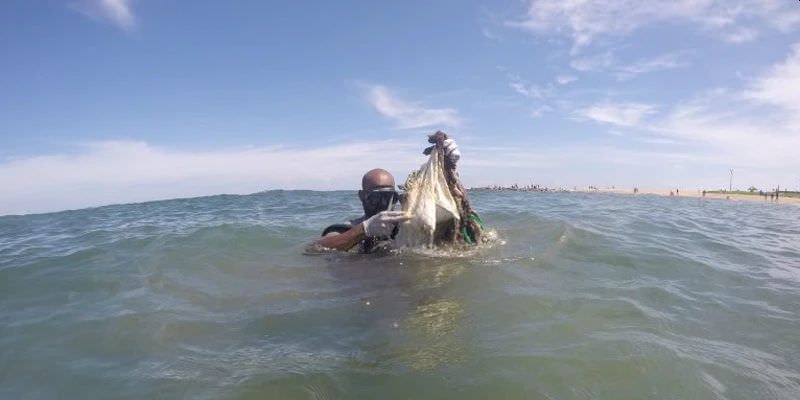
point(583, 296)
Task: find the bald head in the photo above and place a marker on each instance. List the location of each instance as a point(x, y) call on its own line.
point(377, 178)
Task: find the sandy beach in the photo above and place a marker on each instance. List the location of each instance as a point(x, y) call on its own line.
point(699, 193)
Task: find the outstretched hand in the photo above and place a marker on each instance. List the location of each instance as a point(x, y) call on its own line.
point(383, 223)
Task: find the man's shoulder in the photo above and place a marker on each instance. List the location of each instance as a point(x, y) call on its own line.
point(356, 221)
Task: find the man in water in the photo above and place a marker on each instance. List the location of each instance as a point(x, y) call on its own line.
point(372, 232)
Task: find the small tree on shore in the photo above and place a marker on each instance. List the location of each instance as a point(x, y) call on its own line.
point(752, 189)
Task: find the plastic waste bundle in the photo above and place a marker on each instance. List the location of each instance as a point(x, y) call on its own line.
point(429, 202)
point(437, 203)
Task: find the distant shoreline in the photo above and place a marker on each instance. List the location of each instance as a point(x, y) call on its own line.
point(698, 193)
point(784, 198)
point(693, 193)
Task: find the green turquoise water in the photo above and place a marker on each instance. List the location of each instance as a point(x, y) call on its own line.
point(588, 296)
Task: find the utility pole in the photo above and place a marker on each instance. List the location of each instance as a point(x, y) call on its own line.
point(730, 185)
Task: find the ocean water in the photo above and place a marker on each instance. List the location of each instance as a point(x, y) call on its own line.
point(586, 296)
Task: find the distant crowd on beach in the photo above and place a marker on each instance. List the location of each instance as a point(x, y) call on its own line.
point(752, 194)
point(772, 195)
point(517, 188)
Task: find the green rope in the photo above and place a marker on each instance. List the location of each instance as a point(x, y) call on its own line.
point(468, 234)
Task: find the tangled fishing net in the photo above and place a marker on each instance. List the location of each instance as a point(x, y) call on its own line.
point(438, 204)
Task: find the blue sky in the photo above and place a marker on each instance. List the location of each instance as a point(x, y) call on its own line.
point(108, 101)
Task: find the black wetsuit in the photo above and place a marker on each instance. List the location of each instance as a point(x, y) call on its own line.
point(368, 245)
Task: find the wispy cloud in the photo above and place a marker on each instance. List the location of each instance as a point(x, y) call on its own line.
point(619, 114)
point(780, 85)
point(565, 79)
point(595, 62)
point(585, 21)
point(757, 127)
point(409, 115)
point(741, 137)
point(607, 62)
point(528, 89)
point(489, 34)
point(741, 35)
point(707, 135)
point(540, 110)
point(666, 61)
point(117, 12)
point(541, 94)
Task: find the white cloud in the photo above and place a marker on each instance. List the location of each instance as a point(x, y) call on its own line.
point(581, 164)
point(657, 140)
point(565, 79)
point(738, 138)
point(409, 115)
point(755, 129)
point(490, 35)
point(117, 12)
point(741, 35)
point(620, 114)
point(594, 62)
point(759, 126)
point(536, 92)
point(608, 62)
point(540, 110)
point(529, 90)
point(707, 135)
point(583, 21)
point(127, 171)
point(663, 62)
point(115, 172)
point(780, 86)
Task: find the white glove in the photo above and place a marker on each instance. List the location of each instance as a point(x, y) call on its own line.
point(451, 150)
point(383, 223)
